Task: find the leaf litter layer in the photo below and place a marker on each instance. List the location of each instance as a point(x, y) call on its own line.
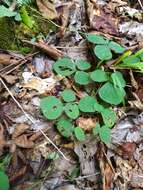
point(71, 113)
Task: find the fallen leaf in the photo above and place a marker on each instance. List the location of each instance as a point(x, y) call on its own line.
point(47, 9)
point(86, 123)
point(23, 142)
point(19, 129)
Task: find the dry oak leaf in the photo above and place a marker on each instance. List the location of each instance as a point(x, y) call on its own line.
point(86, 123)
point(47, 9)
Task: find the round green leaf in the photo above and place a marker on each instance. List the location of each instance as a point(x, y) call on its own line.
point(51, 107)
point(99, 76)
point(79, 133)
point(103, 52)
point(65, 127)
point(118, 79)
point(111, 94)
point(71, 110)
point(87, 104)
point(96, 39)
point(105, 134)
point(68, 95)
point(81, 78)
point(4, 181)
point(96, 129)
point(109, 117)
point(117, 48)
point(64, 67)
point(83, 65)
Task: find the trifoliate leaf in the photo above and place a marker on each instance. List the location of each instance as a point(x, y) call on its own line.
point(96, 39)
point(103, 52)
point(82, 78)
point(6, 12)
point(65, 127)
point(87, 104)
point(105, 134)
point(96, 129)
point(83, 65)
point(51, 107)
point(71, 110)
point(64, 67)
point(68, 95)
point(110, 94)
point(79, 133)
point(99, 76)
point(4, 181)
point(117, 48)
point(118, 79)
point(109, 117)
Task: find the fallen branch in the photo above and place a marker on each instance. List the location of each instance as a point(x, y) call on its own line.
point(50, 50)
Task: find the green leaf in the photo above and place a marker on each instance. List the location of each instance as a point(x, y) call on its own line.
point(82, 78)
point(26, 19)
point(110, 94)
point(131, 59)
point(103, 52)
point(71, 110)
point(53, 156)
point(4, 181)
point(139, 53)
point(64, 67)
point(99, 76)
point(68, 95)
point(6, 12)
point(79, 133)
point(83, 65)
point(118, 79)
point(96, 39)
point(74, 173)
point(117, 48)
point(109, 117)
point(52, 107)
point(65, 127)
point(96, 129)
point(87, 104)
point(136, 66)
point(105, 134)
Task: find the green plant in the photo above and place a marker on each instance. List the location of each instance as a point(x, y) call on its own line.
point(103, 47)
point(107, 90)
point(4, 181)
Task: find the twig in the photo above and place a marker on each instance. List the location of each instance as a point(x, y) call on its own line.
point(140, 4)
point(32, 121)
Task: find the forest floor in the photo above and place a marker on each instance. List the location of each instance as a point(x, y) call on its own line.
point(71, 95)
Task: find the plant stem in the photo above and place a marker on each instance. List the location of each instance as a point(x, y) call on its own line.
point(99, 64)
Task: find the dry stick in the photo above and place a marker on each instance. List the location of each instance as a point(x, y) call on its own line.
point(140, 4)
point(32, 121)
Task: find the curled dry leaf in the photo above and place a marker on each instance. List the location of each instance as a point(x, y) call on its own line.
point(23, 142)
point(86, 123)
point(47, 9)
point(19, 129)
point(11, 79)
point(41, 85)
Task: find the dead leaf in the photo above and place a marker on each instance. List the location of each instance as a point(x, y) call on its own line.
point(101, 18)
point(41, 85)
point(23, 142)
point(86, 123)
point(19, 129)
point(47, 9)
